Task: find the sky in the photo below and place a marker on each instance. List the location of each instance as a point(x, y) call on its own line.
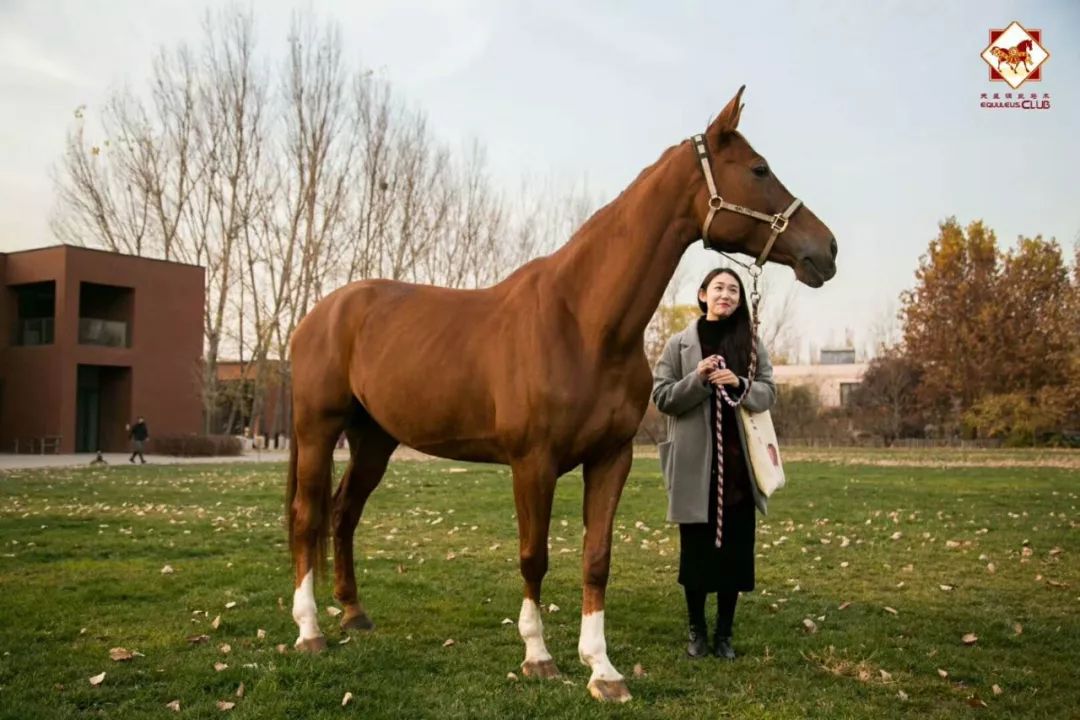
point(869, 112)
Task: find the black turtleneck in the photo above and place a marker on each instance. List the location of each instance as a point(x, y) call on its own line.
point(736, 479)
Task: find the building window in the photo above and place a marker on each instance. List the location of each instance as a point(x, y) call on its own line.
point(36, 306)
point(105, 315)
point(847, 392)
point(843, 356)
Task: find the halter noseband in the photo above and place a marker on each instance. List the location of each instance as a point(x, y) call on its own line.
point(778, 222)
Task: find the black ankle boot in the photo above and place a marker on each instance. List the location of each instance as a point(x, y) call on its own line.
point(722, 647)
point(699, 642)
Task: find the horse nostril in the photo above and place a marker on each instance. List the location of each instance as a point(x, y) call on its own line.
point(833, 248)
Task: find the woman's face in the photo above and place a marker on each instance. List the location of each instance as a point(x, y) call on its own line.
point(721, 296)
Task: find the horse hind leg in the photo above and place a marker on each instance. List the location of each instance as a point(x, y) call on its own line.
point(310, 466)
point(370, 449)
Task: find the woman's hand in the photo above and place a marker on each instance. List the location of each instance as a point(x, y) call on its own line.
point(707, 367)
point(723, 377)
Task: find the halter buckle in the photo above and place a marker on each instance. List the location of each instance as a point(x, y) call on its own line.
point(779, 223)
point(716, 202)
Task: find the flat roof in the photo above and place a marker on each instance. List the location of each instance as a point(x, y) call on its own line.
point(80, 248)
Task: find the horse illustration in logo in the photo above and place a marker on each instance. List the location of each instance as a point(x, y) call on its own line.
point(1019, 53)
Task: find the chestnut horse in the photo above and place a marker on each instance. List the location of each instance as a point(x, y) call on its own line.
point(543, 372)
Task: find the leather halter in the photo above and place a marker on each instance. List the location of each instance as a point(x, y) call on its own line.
point(778, 222)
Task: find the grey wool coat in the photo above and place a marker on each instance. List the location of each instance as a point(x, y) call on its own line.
point(686, 456)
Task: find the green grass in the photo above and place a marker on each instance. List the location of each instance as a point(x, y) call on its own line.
point(81, 553)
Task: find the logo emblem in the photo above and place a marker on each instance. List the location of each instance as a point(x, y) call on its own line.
point(1015, 55)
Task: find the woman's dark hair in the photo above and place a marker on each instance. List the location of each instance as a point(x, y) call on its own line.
point(738, 331)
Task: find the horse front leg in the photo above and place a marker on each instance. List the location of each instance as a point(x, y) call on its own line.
point(604, 480)
point(534, 488)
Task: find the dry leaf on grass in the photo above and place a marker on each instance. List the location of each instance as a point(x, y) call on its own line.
point(639, 672)
point(216, 623)
point(333, 611)
point(902, 695)
point(991, 568)
point(224, 705)
point(225, 648)
point(553, 608)
point(282, 648)
point(976, 702)
point(809, 625)
point(347, 699)
point(943, 673)
point(844, 605)
point(448, 643)
point(230, 605)
point(167, 570)
point(511, 677)
point(1018, 628)
point(120, 654)
point(947, 588)
point(174, 705)
point(197, 639)
point(891, 611)
point(97, 679)
point(885, 676)
point(260, 633)
point(970, 638)
point(240, 691)
point(219, 666)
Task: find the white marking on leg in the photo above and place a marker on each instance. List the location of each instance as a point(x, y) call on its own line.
point(531, 628)
point(303, 609)
point(592, 648)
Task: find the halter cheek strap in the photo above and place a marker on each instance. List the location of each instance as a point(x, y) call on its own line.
point(778, 222)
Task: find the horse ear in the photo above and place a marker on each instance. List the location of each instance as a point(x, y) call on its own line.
point(728, 119)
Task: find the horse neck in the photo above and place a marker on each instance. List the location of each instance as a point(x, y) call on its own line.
point(614, 270)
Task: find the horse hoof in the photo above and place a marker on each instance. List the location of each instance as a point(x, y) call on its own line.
point(610, 690)
point(313, 645)
point(543, 669)
point(356, 621)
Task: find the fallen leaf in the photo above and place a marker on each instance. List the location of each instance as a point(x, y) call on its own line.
point(902, 695)
point(639, 672)
point(344, 640)
point(240, 691)
point(943, 673)
point(947, 588)
point(224, 705)
point(174, 705)
point(225, 648)
point(844, 605)
point(219, 666)
point(448, 643)
point(230, 605)
point(1027, 552)
point(991, 568)
point(197, 639)
point(997, 689)
point(347, 699)
point(951, 544)
point(896, 535)
point(216, 623)
point(976, 702)
point(970, 639)
point(891, 611)
point(333, 611)
point(1018, 629)
point(260, 633)
point(885, 676)
point(97, 679)
point(167, 570)
point(120, 654)
point(282, 648)
point(507, 621)
point(553, 608)
point(511, 677)
point(809, 625)
point(1054, 552)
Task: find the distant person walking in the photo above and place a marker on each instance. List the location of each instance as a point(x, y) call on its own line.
point(139, 434)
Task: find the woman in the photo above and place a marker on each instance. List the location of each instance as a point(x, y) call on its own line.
point(701, 365)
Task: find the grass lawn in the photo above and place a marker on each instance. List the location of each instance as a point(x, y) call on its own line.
point(891, 564)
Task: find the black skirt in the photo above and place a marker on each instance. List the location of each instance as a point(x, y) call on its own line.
point(729, 568)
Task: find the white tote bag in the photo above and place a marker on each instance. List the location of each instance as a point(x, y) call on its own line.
point(764, 450)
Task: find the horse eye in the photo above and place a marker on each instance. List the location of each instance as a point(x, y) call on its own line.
point(761, 170)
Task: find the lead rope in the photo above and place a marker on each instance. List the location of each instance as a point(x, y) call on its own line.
point(722, 396)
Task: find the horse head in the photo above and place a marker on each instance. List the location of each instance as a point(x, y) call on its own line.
point(745, 181)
